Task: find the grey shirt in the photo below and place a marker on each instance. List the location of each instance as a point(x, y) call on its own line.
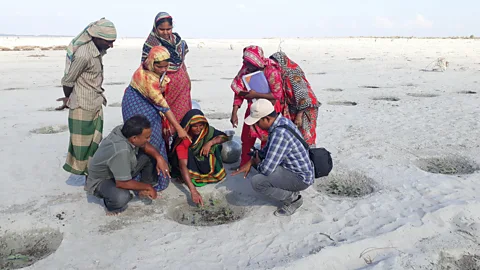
point(115, 159)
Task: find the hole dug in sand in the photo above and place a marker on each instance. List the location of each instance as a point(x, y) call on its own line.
point(464, 262)
point(447, 165)
point(342, 103)
point(333, 89)
point(422, 95)
point(19, 250)
point(467, 92)
point(386, 98)
point(216, 211)
point(50, 129)
point(346, 184)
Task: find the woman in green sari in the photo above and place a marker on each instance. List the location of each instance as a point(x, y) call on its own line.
point(198, 161)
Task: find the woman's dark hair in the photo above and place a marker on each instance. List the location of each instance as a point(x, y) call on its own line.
point(169, 20)
point(135, 125)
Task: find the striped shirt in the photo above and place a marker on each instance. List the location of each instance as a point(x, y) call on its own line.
point(85, 75)
point(284, 149)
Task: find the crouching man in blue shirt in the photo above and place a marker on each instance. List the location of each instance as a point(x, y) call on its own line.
point(283, 164)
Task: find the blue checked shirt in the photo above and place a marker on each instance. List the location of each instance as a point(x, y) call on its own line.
point(284, 149)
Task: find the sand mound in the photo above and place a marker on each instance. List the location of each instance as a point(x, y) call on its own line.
point(19, 250)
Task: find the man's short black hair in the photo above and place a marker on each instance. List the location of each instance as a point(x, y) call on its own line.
point(135, 125)
point(273, 114)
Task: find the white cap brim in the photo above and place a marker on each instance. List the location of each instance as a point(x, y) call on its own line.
point(250, 121)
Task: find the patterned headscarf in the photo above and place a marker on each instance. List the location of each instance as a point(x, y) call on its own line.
point(191, 118)
point(253, 55)
point(145, 80)
point(297, 87)
point(102, 28)
point(178, 48)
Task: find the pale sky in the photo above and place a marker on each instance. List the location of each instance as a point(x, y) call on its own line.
point(248, 19)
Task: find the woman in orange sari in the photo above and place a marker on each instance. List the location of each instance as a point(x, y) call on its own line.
point(254, 60)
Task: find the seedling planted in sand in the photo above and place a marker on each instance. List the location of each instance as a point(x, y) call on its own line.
point(448, 165)
point(347, 184)
point(215, 211)
point(19, 250)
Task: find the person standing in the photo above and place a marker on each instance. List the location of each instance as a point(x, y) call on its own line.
point(82, 86)
point(178, 94)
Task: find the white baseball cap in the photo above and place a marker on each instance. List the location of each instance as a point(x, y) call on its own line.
point(259, 109)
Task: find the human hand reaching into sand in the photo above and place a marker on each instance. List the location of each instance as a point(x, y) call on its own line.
point(244, 169)
point(149, 193)
point(196, 197)
point(64, 105)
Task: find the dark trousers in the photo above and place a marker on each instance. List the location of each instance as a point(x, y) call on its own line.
point(281, 185)
point(116, 199)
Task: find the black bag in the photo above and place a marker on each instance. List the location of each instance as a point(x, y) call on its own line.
point(321, 158)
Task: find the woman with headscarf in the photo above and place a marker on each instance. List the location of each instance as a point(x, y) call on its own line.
point(301, 103)
point(145, 96)
point(254, 60)
point(178, 95)
point(198, 162)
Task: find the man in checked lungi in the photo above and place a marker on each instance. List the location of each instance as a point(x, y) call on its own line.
point(82, 86)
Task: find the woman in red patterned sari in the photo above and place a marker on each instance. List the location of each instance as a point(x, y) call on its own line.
point(178, 94)
point(301, 104)
point(254, 60)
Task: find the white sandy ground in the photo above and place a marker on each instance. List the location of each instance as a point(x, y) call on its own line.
point(412, 218)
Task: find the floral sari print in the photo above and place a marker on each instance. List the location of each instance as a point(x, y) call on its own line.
point(299, 96)
point(255, 56)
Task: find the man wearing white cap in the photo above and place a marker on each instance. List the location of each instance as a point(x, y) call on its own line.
point(283, 164)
